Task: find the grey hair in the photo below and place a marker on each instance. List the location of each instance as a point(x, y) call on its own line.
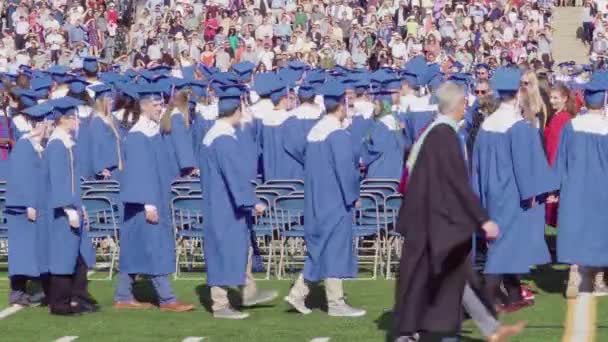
point(450, 95)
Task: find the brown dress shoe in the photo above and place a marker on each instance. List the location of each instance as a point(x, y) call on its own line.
point(176, 307)
point(505, 332)
point(132, 305)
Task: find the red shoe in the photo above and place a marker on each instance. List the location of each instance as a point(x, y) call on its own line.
point(527, 294)
point(514, 307)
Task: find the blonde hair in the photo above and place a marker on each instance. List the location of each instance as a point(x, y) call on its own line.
point(532, 101)
point(179, 102)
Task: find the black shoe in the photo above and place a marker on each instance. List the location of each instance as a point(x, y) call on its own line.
point(83, 309)
point(63, 312)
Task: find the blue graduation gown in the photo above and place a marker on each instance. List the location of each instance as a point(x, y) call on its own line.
point(204, 118)
point(331, 189)
point(4, 153)
point(83, 149)
point(65, 243)
point(384, 149)
point(295, 131)
point(415, 122)
point(226, 175)
point(246, 134)
point(360, 129)
point(104, 146)
point(27, 187)
point(509, 168)
point(278, 163)
point(583, 169)
point(146, 248)
point(179, 144)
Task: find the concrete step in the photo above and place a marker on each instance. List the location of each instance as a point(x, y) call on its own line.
point(566, 46)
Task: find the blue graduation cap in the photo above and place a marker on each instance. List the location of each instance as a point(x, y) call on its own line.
point(25, 69)
point(101, 90)
point(506, 80)
point(306, 91)
point(38, 112)
point(128, 89)
point(208, 71)
point(229, 99)
point(457, 66)
point(27, 97)
point(315, 76)
point(262, 83)
point(297, 65)
point(410, 78)
point(482, 66)
point(418, 67)
point(42, 86)
point(89, 64)
point(65, 105)
point(244, 70)
point(225, 78)
point(150, 92)
point(77, 85)
point(161, 70)
point(9, 77)
point(131, 73)
point(199, 88)
point(595, 89)
point(280, 89)
point(188, 72)
point(349, 83)
point(111, 78)
point(461, 78)
point(333, 95)
point(290, 75)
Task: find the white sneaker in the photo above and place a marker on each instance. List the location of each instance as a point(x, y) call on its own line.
point(345, 310)
point(260, 297)
point(298, 304)
point(229, 313)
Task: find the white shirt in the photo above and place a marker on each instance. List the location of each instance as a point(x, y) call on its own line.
point(22, 27)
point(266, 57)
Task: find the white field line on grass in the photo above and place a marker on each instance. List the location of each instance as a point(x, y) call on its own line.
point(66, 339)
point(11, 310)
point(320, 339)
point(90, 273)
point(193, 339)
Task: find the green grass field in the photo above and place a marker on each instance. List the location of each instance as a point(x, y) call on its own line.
point(273, 322)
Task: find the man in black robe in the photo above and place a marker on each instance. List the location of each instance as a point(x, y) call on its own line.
point(439, 215)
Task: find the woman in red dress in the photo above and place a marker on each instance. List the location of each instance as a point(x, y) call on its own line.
point(563, 107)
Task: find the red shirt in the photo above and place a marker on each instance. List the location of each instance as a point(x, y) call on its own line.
point(553, 131)
point(112, 16)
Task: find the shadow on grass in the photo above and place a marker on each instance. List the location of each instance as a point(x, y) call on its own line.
point(549, 279)
point(144, 292)
point(385, 323)
point(234, 297)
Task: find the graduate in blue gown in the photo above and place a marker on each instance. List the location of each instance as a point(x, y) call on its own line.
point(299, 124)
point(70, 252)
point(104, 139)
point(77, 89)
point(205, 113)
point(582, 237)
point(277, 162)
point(176, 128)
point(385, 145)
point(331, 192)
point(26, 208)
point(21, 99)
point(147, 245)
point(510, 174)
point(362, 118)
point(227, 175)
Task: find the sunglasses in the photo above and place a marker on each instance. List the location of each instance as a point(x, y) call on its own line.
point(480, 92)
point(525, 83)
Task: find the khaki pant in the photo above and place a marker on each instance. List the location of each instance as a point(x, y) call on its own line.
point(333, 290)
point(219, 294)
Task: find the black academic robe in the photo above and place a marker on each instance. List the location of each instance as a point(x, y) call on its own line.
point(440, 212)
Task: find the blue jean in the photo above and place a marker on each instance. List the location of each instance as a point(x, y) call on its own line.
point(161, 283)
